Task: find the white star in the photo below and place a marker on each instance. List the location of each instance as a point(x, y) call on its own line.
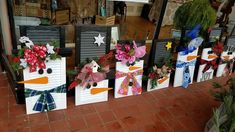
point(23, 63)
point(99, 40)
point(50, 49)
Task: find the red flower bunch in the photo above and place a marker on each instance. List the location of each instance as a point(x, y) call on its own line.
point(153, 75)
point(35, 57)
point(218, 48)
point(16, 59)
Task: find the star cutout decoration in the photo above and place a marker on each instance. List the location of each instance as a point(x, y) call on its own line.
point(168, 45)
point(99, 40)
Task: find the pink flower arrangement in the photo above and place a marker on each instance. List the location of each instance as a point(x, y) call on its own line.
point(129, 53)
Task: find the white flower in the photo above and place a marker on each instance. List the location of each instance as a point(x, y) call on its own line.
point(23, 63)
point(26, 40)
point(50, 49)
point(23, 39)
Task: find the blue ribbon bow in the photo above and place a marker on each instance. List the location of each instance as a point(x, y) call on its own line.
point(46, 100)
point(194, 32)
point(186, 73)
point(186, 50)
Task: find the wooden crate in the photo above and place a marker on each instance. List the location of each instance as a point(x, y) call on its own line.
point(19, 10)
point(62, 16)
point(99, 20)
point(22, 10)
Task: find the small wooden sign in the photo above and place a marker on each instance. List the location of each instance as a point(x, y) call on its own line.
point(62, 16)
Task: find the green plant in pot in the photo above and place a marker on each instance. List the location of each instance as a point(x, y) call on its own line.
point(223, 119)
point(193, 13)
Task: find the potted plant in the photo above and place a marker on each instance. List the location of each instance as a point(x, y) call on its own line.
point(193, 13)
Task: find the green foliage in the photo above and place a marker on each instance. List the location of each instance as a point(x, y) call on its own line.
point(226, 94)
point(55, 56)
point(195, 12)
point(153, 83)
point(216, 116)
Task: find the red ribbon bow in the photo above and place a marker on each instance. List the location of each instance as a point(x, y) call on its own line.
point(35, 58)
point(209, 64)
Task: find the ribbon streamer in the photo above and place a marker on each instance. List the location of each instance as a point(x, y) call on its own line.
point(46, 100)
point(186, 72)
point(209, 64)
point(186, 50)
point(136, 88)
point(194, 32)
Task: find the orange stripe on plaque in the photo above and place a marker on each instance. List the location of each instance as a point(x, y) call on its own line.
point(41, 80)
point(191, 57)
point(212, 56)
point(162, 80)
point(99, 90)
point(131, 68)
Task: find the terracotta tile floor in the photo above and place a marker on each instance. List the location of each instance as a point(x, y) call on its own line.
point(166, 110)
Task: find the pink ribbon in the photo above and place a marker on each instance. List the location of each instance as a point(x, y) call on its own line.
point(136, 88)
point(88, 77)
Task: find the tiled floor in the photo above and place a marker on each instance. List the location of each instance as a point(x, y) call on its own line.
point(166, 110)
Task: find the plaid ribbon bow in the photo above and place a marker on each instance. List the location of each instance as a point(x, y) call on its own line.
point(136, 88)
point(186, 73)
point(209, 64)
point(45, 101)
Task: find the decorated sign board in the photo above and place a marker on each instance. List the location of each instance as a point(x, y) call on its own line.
point(185, 65)
point(186, 61)
point(54, 91)
point(227, 58)
point(226, 64)
point(129, 68)
point(207, 56)
point(160, 54)
point(85, 94)
point(91, 42)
